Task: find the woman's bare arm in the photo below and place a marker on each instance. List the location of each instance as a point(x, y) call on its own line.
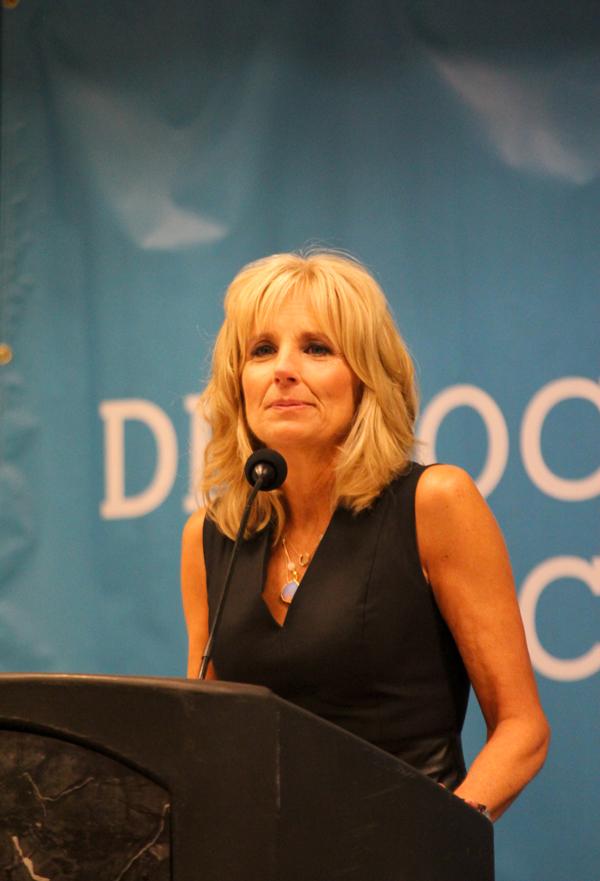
point(193, 590)
point(465, 560)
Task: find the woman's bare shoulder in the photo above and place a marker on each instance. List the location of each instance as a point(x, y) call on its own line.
point(445, 492)
point(453, 520)
point(194, 525)
point(443, 484)
point(192, 550)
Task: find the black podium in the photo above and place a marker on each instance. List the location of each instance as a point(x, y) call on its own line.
point(123, 779)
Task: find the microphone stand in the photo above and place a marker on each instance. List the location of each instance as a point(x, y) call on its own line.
point(238, 539)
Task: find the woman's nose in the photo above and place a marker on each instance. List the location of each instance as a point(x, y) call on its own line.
point(286, 367)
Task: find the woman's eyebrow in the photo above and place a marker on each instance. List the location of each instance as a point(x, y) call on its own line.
point(314, 334)
point(263, 335)
point(302, 336)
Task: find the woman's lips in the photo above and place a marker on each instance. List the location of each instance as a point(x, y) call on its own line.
point(287, 404)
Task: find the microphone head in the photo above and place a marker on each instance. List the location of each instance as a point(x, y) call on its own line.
point(268, 465)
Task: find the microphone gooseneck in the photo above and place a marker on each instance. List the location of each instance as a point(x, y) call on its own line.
point(265, 470)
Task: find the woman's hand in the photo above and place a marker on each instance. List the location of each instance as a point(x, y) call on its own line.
point(464, 558)
point(193, 589)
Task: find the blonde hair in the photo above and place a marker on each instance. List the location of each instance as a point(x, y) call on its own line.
point(356, 316)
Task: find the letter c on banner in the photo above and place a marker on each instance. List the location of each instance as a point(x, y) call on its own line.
point(114, 414)
point(531, 439)
point(562, 669)
point(497, 432)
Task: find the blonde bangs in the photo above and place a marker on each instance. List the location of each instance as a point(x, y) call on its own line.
point(251, 304)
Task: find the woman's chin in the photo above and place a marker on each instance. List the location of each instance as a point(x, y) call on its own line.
point(292, 438)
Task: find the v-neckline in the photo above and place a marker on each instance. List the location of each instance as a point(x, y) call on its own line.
point(264, 566)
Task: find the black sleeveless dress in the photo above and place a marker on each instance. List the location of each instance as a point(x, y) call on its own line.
point(363, 644)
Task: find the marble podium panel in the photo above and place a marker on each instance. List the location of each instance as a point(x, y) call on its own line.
point(71, 813)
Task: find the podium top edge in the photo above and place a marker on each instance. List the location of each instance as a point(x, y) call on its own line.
point(178, 683)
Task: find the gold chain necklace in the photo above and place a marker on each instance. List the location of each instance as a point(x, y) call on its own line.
point(288, 591)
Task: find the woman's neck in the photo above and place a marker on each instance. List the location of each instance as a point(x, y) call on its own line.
point(308, 491)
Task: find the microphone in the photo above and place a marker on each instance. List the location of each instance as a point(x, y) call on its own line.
point(268, 465)
point(265, 470)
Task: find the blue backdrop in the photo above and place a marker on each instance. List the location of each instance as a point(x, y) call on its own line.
point(148, 151)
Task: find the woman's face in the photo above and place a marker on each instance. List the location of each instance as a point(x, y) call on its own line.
point(298, 389)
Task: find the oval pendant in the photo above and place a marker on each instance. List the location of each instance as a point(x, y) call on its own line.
point(288, 591)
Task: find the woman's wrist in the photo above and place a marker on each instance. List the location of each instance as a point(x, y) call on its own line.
point(480, 808)
point(476, 805)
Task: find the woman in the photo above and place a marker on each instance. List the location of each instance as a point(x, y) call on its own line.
point(370, 590)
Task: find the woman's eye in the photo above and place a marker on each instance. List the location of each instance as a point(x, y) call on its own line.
point(316, 348)
point(262, 349)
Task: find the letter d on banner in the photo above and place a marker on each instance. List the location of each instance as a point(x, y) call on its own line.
point(114, 415)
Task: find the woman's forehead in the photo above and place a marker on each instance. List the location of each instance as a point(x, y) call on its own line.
point(307, 312)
